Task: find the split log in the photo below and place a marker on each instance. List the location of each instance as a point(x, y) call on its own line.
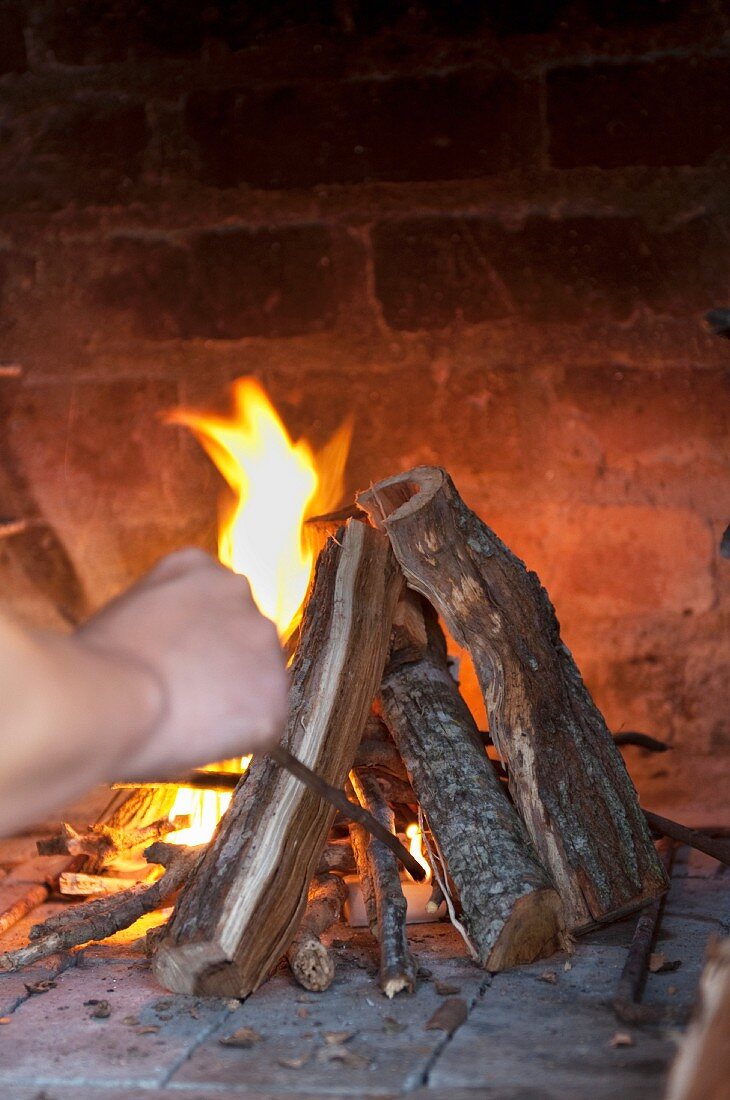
point(238, 914)
point(103, 917)
point(310, 961)
point(397, 966)
point(510, 909)
point(566, 776)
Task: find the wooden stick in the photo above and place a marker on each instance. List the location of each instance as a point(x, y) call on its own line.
point(712, 846)
point(510, 908)
point(239, 912)
point(351, 810)
point(310, 961)
point(397, 966)
point(103, 843)
point(566, 776)
point(34, 894)
point(99, 919)
point(194, 781)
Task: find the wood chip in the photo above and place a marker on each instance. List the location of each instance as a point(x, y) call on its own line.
point(336, 1037)
point(244, 1038)
point(294, 1063)
point(131, 1021)
point(5, 1019)
point(302, 1013)
point(567, 965)
point(102, 1010)
point(621, 1039)
point(448, 1016)
point(393, 1025)
point(40, 987)
point(548, 976)
point(343, 1056)
point(660, 964)
point(151, 1029)
point(447, 989)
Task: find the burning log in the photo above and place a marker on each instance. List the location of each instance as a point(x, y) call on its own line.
point(397, 965)
point(566, 776)
point(237, 915)
point(102, 844)
point(101, 918)
point(510, 908)
point(310, 961)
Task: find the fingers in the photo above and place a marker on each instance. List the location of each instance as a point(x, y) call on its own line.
point(191, 561)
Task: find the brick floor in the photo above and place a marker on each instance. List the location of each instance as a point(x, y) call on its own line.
point(527, 1036)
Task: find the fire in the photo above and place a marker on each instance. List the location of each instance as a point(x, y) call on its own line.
point(415, 836)
point(274, 485)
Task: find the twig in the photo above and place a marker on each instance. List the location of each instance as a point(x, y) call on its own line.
point(350, 810)
point(99, 919)
point(717, 848)
point(309, 959)
point(103, 843)
point(640, 740)
point(397, 965)
point(626, 1000)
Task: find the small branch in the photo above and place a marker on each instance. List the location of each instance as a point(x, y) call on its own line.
point(717, 848)
point(103, 843)
point(626, 1001)
point(309, 959)
point(397, 965)
point(641, 741)
point(195, 781)
point(99, 919)
point(337, 798)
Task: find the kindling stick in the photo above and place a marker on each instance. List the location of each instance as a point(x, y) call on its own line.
point(348, 809)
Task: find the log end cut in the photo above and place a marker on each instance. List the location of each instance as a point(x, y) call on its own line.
point(534, 930)
point(312, 965)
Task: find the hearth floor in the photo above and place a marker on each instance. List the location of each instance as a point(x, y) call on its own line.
point(543, 1032)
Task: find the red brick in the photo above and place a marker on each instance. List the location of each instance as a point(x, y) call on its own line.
point(612, 561)
point(663, 112)
point(429, 271)
point(459, 126)
point(223, 283)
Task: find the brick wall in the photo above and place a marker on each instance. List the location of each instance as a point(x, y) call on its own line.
point(490, 231)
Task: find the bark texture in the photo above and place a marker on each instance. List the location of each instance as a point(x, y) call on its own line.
point(510, 909)
point(397, 966)
point(239, 913)
point(566, 776)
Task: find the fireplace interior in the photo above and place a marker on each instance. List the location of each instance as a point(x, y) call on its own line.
point(490, 239)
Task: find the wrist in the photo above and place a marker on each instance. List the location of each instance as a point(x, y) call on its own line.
point(111, 701)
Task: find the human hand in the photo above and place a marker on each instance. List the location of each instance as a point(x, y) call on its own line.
point(193, 627)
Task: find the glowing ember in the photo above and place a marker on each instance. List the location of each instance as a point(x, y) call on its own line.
point(415, 836)
point(275, 485)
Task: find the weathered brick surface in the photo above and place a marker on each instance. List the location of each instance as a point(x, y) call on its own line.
point(430, 271)
point(669, 111)
point(461, 125)
point(223, 283)
point(13, 57)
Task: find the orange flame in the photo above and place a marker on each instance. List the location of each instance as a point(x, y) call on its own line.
point(415, 836)
point(275, 486)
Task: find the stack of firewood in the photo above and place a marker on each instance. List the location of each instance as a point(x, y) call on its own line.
point(543, 844)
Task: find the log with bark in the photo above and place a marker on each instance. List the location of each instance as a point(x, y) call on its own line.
point(397, 966)
point(566, 776)
point(238, 914)
point(510, 909)
point(310, 961)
